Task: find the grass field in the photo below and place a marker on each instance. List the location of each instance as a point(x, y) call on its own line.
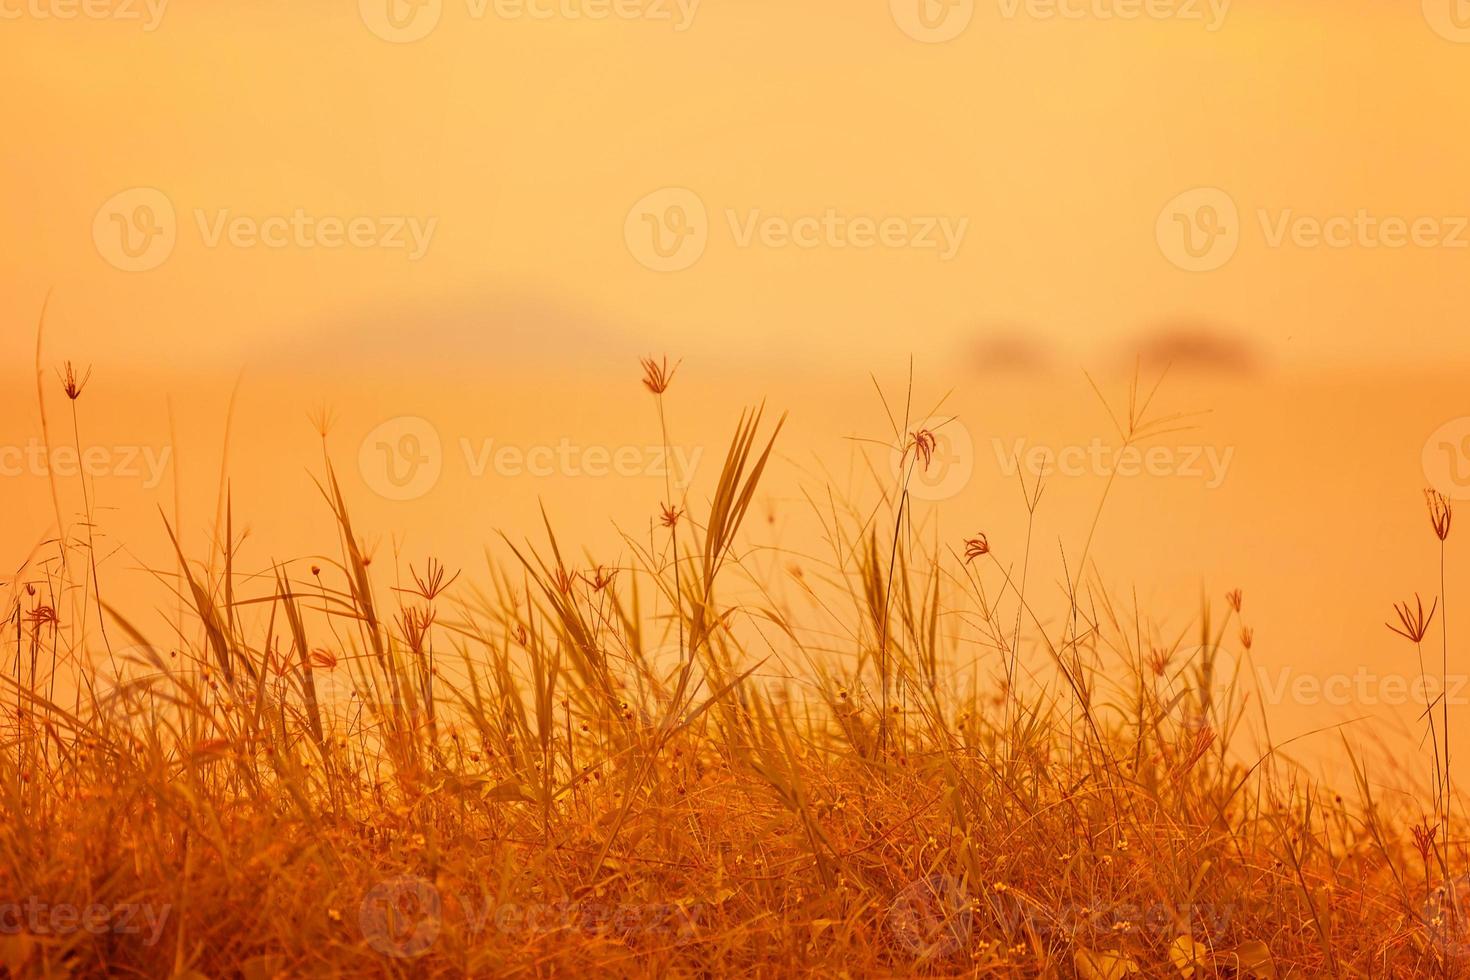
point(378, 766)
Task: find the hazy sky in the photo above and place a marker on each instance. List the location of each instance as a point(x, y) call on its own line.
point(832, 182)
point(350, 200)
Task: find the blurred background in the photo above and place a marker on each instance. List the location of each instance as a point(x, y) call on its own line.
point(449, 229)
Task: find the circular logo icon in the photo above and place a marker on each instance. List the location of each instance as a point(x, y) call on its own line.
point(136, 229)
point(1447, 459)
point(1199, 230)
point(401, 21)
point(932, 21)
point(401, 917)
point(402, 458)
point(936, 460)
point(1450, 19)
point(932, 918)
point(667, 231)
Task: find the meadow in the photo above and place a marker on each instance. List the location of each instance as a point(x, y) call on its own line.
point(368, 764)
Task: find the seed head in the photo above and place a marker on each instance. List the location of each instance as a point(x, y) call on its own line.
point(657, 375)
point(1424, 839)
point(922, 444)
point(73, 385)
point(600, 578)
point(976, 547)
point(1440, 513)
point(1414, 622)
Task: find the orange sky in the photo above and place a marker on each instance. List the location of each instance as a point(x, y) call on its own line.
point(1058, 141)
point(486, 227)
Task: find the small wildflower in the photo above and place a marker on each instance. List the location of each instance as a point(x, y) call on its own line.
point(976, 547)
point(1440, 513)
point(1415, 622)
point(658, 375)
point(1424, 839)
point(431, 584)
point(1234, 597)
point(923, 442)
point(43, 616)
point(1158, 660)
point(71, 384)
point(600, 579)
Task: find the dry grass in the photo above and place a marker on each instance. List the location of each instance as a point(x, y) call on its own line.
point(573, 769)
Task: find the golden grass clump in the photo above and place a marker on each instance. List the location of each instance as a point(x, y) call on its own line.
point(694, 761)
